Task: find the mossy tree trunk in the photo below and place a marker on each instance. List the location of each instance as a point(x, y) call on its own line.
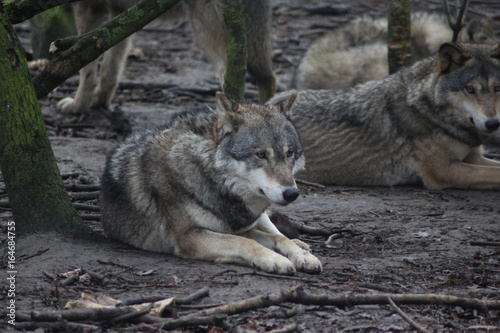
point(399, 33)
point(36, 192)
point(236, 49)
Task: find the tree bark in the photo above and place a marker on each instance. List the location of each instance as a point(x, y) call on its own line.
point(89, 46)
point(236, 49)
point(36, 192)
point(399, 34)
point(22, 10)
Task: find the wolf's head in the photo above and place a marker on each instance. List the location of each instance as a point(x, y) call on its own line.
point(469, 85)
point(258, 150)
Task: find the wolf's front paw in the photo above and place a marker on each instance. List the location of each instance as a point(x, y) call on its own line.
point(276, 263)
point(68, 105)
point(306, 262)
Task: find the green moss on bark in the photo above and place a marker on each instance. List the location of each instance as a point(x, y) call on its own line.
point(236, 49)
point(399, 34)
point(36, 191)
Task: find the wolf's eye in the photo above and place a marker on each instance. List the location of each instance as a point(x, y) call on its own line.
point(470, 90)
point(496, 89)
point(290, 153)
point(261, 154)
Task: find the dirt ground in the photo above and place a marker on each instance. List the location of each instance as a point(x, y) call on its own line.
point(397, 240)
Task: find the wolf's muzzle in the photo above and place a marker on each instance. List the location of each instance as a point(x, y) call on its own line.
point(290, 194)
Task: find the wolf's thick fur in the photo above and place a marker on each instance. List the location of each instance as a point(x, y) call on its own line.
point(424, 123)
point(199, 187)
point(357, 52)
point(97, 88)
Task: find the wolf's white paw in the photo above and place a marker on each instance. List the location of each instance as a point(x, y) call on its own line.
point(305, 261)
point(301, 244)
point(275, 263)
point(67, 105)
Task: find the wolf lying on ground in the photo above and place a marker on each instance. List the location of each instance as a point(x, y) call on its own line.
point(424, 123)
point(199, 187)
point(97, 88)
point(357, 52)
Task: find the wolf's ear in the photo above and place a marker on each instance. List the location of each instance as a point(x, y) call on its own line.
point(474, 32)
point(496, 52)
point(229, 115)
point(451, 57)
point(285, 105)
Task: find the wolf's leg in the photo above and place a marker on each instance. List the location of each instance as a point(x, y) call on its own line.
point(88, 15)
point(265, 224)
point(111, 70)
point(302, 259)
point(258, 23)
point(462, 175)
point(209, 245)
point(476, 157)
point(208, 27)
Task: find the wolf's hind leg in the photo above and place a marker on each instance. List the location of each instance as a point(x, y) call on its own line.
point(111, 71)
point(302, 259)
point(208, 245)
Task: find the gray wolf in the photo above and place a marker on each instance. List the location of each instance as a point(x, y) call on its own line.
point(425, 123)
point(199, 187)
point(357, 52)
point(97, 87)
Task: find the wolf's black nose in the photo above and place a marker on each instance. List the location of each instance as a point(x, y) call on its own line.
point(492, 124)
point(290, 194)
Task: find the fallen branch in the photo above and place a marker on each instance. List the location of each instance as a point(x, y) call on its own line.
point(40, 252)
point(204, 292)
point(4, 203)
point(132, 315)
point(90, 208)
point(299, 296)
point(61, 326)
point(405, 317)
point(215, 320)
point(475, 243)
point(305, 182)
point(90, 217)
point(82, 188)
point(96, 314)
point(85, 195)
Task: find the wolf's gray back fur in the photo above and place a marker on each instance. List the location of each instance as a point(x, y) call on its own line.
point(357, 52)
point(377, 133)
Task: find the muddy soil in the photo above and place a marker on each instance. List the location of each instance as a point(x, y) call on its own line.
point(398, 240)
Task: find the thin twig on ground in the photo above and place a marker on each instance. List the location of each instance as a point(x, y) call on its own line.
point(405, 317)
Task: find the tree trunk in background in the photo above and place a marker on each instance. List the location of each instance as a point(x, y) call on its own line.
point(49, 26)
point(236, 49)
point(36, 192)
point(399, 34)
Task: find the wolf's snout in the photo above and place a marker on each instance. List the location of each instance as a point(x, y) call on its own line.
point(290, 194)
point(492, 124)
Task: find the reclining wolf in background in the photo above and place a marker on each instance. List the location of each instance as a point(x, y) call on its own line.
point(97, 88)
point(357, 52)
point(199, 187)
point(425, 123)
